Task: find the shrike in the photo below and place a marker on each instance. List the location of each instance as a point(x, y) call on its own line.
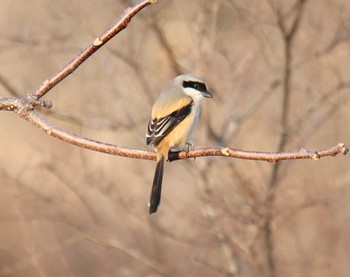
point(174, 117)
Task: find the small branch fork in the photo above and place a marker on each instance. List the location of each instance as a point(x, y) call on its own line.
point(24, 107)
point(32, 98)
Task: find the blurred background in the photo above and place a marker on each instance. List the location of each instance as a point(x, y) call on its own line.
point(279, 72)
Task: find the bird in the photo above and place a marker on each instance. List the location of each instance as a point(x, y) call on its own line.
point(174, 117)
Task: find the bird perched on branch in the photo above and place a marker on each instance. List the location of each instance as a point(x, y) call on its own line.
point(173, 120)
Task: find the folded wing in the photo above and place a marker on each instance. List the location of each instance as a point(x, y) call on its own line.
point(158, 128)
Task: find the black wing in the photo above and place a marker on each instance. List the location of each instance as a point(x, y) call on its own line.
point(158, 128)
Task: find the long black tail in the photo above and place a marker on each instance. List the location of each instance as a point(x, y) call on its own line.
point(154, 200)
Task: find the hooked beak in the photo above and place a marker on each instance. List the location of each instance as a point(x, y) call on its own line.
point(207, 94)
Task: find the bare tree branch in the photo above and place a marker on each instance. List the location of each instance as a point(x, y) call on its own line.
point(24, 107)
point(52, 130)
point(12, 104)
point(130, 152)
point(265, 231)
point(84, 54)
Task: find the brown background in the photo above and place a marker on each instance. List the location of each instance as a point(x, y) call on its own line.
point(66, 211)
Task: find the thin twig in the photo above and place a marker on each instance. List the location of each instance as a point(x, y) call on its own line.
point(84, 54)
point(135, 254)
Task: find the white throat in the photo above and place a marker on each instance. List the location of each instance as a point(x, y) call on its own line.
point(195, 94)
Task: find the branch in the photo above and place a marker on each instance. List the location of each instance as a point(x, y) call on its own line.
point(52, 130)
point(32, 98)
point(260, 155)
point(84, 54)
point(24, 107)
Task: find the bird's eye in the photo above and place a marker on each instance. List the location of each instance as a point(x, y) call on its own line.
point(196, 86)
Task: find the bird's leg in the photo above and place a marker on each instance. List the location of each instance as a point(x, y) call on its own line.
point(188, 146)
point(174, 154)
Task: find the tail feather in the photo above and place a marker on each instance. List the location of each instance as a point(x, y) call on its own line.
point(154, 200)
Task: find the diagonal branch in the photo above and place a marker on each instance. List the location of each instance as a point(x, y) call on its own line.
point(84, 54)
point(27, 103)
